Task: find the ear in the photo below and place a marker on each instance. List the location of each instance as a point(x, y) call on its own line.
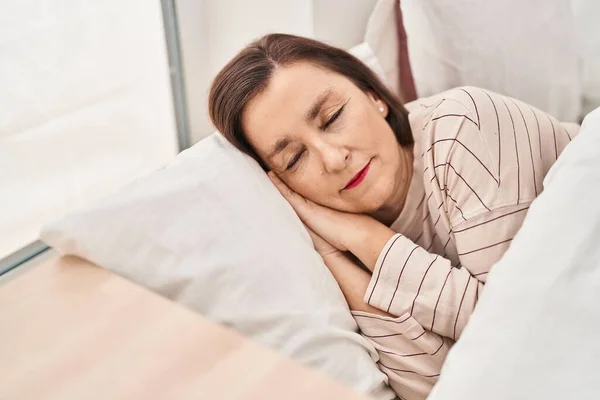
point(379, 104)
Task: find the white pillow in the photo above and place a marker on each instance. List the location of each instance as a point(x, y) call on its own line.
point(382, 37)
point(523, 49)
point(210, 231)
point(364, 53)
point(534, 333)
point(379, 51)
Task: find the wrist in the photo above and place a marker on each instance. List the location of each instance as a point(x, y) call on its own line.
point(333, 256)
point(363, 230)
point(356, 231)
point(366, 240)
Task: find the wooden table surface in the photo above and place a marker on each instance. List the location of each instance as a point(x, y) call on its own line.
point(71, 330)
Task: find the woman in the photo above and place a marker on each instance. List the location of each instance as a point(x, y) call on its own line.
point(426, 197)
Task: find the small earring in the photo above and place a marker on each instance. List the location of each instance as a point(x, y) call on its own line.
point(381, 109)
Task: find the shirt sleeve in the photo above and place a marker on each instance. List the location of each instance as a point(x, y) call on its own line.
point(486, 157)
point(410, 356)
point(408, 280)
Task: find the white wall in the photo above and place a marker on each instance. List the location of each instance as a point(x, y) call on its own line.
point(213, 31)
point(86, 106)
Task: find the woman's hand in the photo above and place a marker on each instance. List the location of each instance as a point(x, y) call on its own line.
point(324, 248)
point(330, 225)
point(361, 234)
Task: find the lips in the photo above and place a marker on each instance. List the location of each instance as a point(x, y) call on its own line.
point(358, 178)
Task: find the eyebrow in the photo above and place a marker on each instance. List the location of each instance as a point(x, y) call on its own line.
point(278, 148)
point(312, 113)
point(318, 105)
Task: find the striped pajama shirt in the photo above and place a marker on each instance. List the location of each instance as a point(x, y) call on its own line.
point(479, 161)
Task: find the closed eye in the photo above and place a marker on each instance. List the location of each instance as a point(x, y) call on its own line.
point(334, 117)
point(295, 159)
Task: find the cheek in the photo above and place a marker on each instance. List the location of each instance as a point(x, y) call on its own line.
point(370, 130)
point(316, 188)
point(308, 186)
point(361, 122)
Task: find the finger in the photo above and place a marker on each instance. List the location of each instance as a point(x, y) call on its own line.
point(302, 206)
point(275, 179)
point(317, 240)
point(312, 233)
point(284, 189)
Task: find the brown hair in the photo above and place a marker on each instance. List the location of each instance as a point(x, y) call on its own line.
point(248, 74)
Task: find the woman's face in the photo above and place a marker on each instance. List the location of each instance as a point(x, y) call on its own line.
point(326, 139)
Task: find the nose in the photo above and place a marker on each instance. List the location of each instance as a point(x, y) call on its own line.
point(335, 158)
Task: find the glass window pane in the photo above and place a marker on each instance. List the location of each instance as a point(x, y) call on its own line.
point(86, 106)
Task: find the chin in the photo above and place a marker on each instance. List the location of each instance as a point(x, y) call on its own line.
point(373, 201)
point(365, 206)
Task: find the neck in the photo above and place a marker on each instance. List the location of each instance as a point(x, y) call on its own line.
point(392, 208)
